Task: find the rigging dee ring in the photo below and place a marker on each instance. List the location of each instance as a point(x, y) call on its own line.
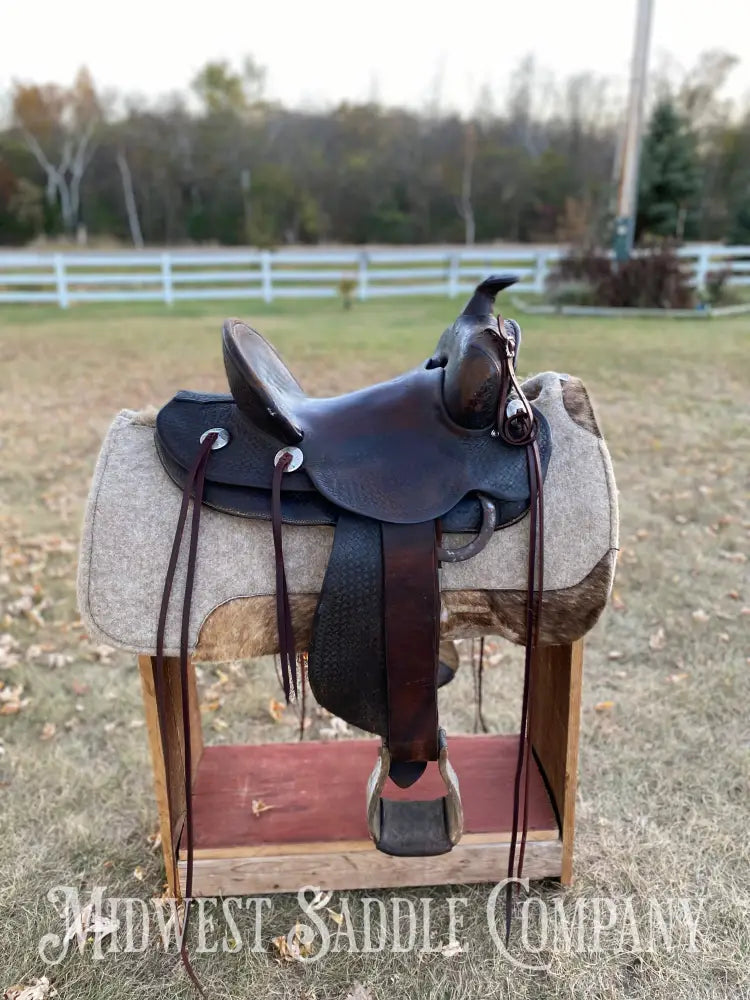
point(472, 548)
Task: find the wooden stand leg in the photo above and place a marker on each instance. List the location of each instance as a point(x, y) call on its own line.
point(170, 795)
point(555, 729)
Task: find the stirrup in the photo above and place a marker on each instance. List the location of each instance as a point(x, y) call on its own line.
point(409, 828)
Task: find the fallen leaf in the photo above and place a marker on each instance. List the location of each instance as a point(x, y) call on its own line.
point(658, 640)
point(37, 989)
point(451, 949)
point(676, 678)
point(8, 655)
point(617, 602)
point(154, 839)
point(220, 724)
point(258, 806)
point(336, 730)
point(79, 688)
point(700, 616)
point(57, 660)
point(11, 702)
point(735, 557)
point(291, 947)
point(87, 922)
point(615, 654)
point(281, 945)
point(604, 706)
point(734, 594)
point(359, 993)
point(641, 534)
point(138, 873)
point(48, 731)
point(276, 709)
point(338, 918)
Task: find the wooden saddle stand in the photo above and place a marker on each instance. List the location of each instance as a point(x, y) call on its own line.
point(451, 447)
point(414, 511)
point(305, 840)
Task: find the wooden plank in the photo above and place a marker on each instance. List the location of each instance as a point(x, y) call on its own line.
point(349, 846)
point(555, 732)
point(166, 819)
point(316, 792)
point(170, 795)
point(367, 870)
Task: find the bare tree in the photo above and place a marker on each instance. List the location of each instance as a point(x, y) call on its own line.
point(465, 205)
point(58, 125)
point(129, 195)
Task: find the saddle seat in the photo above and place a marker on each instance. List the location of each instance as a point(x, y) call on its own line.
point(391, 451)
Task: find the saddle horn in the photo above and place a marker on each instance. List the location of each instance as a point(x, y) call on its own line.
point(482, 301)
point(469, 352)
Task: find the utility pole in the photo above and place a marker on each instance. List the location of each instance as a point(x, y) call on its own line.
point(627, 194)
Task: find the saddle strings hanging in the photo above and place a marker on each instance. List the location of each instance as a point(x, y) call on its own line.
point(193, 489)
point(194, 486)
point(287, 652)
point(518, 428)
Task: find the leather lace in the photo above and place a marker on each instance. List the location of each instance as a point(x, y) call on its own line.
point(194, 485)
point(517, 426)
point(287, 652)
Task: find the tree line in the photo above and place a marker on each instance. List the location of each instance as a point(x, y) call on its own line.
point(223, 164)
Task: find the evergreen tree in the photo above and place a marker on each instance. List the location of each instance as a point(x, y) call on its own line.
point(669, 177)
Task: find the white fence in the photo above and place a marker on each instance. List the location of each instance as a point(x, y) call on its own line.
point(176, 275)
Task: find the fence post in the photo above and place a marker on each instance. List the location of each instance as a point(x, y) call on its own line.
point(363, 276)
point(702, 267)
point(166, 278)
point(542, 269)
point(265, 273)
point(62, 281)
point(453, 265)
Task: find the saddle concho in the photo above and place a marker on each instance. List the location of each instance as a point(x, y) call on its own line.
point(451, 446)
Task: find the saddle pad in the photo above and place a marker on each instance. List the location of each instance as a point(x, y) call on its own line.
point(132, 511)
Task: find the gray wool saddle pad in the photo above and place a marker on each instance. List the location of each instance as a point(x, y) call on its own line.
point(133, 506)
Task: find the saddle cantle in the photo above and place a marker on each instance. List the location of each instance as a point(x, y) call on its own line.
point(451, 446)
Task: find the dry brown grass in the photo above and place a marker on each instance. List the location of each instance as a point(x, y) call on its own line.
point(663, 800)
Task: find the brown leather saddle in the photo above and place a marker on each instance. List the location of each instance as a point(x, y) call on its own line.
point(450, 447)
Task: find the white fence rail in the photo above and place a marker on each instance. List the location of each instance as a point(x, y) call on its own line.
point(176, 275)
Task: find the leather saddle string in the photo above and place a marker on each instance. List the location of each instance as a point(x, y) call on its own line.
point(287, 652)
point(522, 737)
point(520, 429)
point(537, 615)
point(194, 483)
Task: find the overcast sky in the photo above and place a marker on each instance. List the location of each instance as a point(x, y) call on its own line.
point(324, 51)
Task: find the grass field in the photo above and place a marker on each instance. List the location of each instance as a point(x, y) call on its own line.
point(663, 806)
